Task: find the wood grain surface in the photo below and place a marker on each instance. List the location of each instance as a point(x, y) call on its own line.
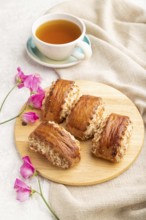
point(89, 170)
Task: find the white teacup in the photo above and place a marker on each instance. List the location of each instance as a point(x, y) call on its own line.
point(61, 51)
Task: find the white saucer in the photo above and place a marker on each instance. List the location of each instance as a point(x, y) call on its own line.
point(38, 57)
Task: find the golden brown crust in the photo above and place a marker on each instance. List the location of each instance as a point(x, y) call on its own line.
point(56, 139)
point(115, 128)
point(54, 101)
point(81, 115)
point(110, 143)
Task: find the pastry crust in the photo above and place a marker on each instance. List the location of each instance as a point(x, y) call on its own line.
point(59, 100)
point(85, 117)
point(112, 139)
point(56, 144)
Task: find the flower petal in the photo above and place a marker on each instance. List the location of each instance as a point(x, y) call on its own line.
point(26, 159)
point(23, 191)
point(19, 185)
point(36, 100)
point(30, 117)
point(27, 169)
point(22, 195)
point(32, 82)
point(40, 90)
point(20, 78)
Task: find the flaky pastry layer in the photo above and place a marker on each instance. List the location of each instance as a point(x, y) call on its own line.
point(85, 117)
point(59, 100)
point(111, 140)
point(56, 144)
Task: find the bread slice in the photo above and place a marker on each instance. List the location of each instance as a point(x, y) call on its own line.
point(59, 100)
point(85, 117)
point(111, 141)
point(56, 144)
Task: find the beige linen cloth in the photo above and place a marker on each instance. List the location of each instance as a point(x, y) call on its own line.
point(117, 30)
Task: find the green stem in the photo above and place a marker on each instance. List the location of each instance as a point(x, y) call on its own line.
point(43, 198)
point(7, 97)
point(3, 122)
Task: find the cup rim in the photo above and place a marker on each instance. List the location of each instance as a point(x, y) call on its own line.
point(58, 14)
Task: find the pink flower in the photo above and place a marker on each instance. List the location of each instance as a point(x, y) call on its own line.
point(35, 101)
point(40, 90)
point(27, 169)
point(29, 117)
point(32, 82)
point(23, 191)
point(20, 78)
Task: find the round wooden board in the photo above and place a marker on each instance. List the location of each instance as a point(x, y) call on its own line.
point(89, 170)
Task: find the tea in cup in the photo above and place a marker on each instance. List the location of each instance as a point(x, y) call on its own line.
point(57, 36)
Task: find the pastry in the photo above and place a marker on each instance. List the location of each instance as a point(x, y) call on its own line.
point(59, 100)
point(85, 117)
point(56, 144)
point(111, 140)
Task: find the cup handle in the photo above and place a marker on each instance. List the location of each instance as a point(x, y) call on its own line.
point(87, 51)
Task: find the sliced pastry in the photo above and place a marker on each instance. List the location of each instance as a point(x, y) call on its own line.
point(59, 100)
point(56, 144)
point(111, 140)
point(85, 117)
